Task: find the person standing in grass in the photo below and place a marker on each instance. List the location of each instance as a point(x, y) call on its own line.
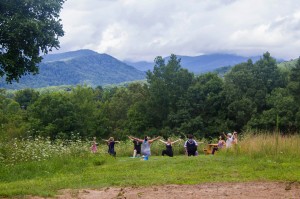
point(94, 146)
point(137, 147)
point(235, 138)
point(190, 146)
point(146, 144)
point(111, 146)
point(221, 144)
point(229, 140)
point(169, 150)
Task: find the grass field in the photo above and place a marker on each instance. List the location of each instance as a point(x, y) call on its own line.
point(77, 170)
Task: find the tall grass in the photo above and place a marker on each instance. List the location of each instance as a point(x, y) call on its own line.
point(269, 145)
point(40, 166)
point(38, 149)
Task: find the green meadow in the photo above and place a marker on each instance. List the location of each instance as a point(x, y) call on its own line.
point(70, 165)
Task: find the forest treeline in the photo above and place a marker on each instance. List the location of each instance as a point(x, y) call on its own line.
point(257, 96)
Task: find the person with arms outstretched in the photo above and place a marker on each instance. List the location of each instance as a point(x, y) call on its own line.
point(146, 144)
point(229, 139)
point(137, 147)
point(169, 150)
point(111, 146)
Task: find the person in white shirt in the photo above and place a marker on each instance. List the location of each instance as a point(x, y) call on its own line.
point(229, 140)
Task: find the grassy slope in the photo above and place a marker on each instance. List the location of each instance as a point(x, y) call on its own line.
point(94, 171)
point(288, 64)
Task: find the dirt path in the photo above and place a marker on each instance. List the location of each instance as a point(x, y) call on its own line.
point(266, 190)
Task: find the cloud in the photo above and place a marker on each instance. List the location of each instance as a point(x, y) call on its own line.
point(142, 30)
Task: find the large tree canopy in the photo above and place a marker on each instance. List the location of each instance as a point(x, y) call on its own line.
point(28, 29)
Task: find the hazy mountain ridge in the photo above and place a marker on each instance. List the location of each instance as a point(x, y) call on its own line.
point(200, 64)
point(92, 68)
point(78, 67)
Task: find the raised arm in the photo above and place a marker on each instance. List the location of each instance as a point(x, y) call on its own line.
point(235, 134)
point(163, 141)
point(176, 141)
point(130, 137)
point(137, 139)
point(150, 141)
point(224, 135)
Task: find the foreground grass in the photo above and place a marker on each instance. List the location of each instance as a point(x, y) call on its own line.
point(45, 178)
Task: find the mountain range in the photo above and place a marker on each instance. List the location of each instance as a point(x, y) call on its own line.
point(78, 68)
point(92, 68)
point(199, 64)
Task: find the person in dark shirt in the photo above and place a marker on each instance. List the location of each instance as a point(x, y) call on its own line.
point(169, 150)
point(137, 147)
point(111, 146)
point(191, 146)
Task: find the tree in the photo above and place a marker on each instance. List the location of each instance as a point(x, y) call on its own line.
point(247, 86)
point(281, 105)
point(242, 93)
point(201, 110)
point(137, 114)
point(26, 97)
point(167, 84)
point(12, 118)
point(294, 88)
point(27, 30)
point(83, 100)
point(267, 73)
point(294, 84)
point(53, 114)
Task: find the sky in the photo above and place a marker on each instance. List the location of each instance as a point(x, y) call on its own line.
point(140, 30)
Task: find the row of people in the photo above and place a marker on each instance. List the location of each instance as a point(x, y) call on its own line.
point(142, 146)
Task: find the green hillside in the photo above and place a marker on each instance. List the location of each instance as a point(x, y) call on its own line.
point(78, 68)
point(288, 64)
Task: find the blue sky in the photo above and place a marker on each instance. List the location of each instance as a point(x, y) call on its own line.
point(143, 29)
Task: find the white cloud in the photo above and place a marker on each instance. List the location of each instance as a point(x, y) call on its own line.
point(114, 37)
point(142, 30)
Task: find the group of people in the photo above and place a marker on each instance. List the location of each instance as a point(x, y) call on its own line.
point(231, 139)
point(142, 147)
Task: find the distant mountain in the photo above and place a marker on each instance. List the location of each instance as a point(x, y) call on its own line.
point(78, 67)
point(280, 63)
point(91, 68)
point(200, 64)
point(141, 65)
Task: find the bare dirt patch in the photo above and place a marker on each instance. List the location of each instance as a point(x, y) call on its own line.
point(266, 190)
